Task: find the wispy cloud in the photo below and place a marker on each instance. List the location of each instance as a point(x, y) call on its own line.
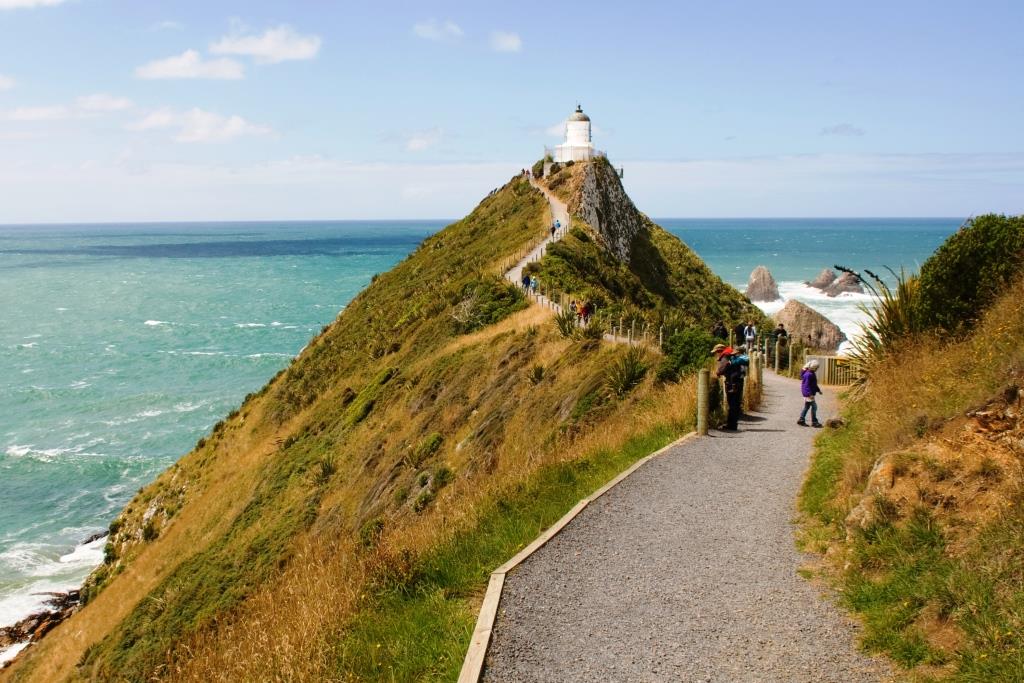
point(506, 41)
point(27, 4)
point(438, 31)
point(843, 129)
point(102, 102)
point(49, 113)
point(167, 25)
point(6, 82)
point(422, 140)
point(84, 106)
point(190, 64)
point(274, 45)
point(197, 125)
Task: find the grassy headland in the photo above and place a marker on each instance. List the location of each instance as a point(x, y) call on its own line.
point(342, 523)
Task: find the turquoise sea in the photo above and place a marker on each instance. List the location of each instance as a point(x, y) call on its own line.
point(123, 344)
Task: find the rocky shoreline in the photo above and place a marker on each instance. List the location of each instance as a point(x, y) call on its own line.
point(60, 606)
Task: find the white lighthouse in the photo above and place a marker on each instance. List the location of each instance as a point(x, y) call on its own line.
point(579, 144)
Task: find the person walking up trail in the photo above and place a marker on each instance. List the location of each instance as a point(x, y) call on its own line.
point(809, 389)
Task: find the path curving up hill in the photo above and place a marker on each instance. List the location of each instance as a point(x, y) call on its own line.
point(686, 571)
point(560, 213)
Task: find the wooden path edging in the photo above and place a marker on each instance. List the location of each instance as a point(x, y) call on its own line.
point(473, 664)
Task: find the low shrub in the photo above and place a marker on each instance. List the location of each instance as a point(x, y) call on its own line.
point(969, 270)
point(484, 302)
point(565, 321)
point(685, 352)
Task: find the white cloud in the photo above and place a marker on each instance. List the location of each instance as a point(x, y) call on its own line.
point(28, 4)
point(167, 25)
point(52, 113)
point(6, 82)
point(506, 41)
point(197, 125)
point(102, 102)
point(274, 45)
point(422, 140)
point(431, 29)
point(842, 129)
point(190, 64)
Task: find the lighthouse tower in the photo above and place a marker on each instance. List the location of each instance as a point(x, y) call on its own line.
point(579, 144)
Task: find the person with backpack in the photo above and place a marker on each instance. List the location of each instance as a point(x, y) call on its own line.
point(809, 389)
point(737, 334)
point(533, 284)
point(730, 368)
point(526, 282)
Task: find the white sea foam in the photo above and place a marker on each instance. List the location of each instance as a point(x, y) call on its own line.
point(276, 324)
point(269, 355)
point(188, 406)
point(152, 412)
point(155, 323)
point(11, 652)
point(250, 325)
point(17, 451)
point(844, 310)
point(30, 345)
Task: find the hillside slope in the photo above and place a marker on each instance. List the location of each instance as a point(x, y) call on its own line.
point(918, 502)
point(342, 522)
point(631, 268)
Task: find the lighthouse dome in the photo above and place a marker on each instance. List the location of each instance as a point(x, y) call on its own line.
point(578, 115)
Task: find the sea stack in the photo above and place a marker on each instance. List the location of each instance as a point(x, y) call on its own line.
point(825, 278)
point(761, 286)
point(808, 327)
point(847, 282)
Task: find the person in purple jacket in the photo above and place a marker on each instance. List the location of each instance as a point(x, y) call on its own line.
point(809, 388)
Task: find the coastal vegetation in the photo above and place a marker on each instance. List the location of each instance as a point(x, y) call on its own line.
point(341, 524)
point(917, 502)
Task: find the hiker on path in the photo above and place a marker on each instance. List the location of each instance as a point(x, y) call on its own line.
point(780, 335)
point(573, 307)
point(719, 331)
point(809, 388)
point(749, 334)
point(554, 229)
point(533, 284)
point(526, 282)
point(730, 368)
point(737, 333)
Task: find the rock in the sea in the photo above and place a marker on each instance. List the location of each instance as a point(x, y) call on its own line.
point(844, 283)
point(809, 327)
point(761, 285)
point(824, 279)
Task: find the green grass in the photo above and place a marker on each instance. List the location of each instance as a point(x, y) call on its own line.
point(418, 628)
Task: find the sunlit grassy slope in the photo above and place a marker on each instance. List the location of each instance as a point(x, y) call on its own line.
point(919, 502)
point(341, 524)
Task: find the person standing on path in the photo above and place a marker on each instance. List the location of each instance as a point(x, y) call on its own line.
point(737, 333)
point(809, 388)
point(749, 334)
point(526, 282)
point(730, 368)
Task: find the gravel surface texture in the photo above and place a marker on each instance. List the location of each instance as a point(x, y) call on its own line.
point(685, 571)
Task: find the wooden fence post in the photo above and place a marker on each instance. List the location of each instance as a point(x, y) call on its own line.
point(702, 401)
point(777, 347)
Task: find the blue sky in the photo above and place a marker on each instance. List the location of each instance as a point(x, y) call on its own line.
point(116, 110)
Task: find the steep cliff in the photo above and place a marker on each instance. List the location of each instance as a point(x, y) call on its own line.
point(340, 525)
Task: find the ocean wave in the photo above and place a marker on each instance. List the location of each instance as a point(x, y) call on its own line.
point(244, 325)
point(269, 355)
point(11, 652)
point(156, 323)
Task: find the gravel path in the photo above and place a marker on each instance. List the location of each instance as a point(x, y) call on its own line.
point(686, 571)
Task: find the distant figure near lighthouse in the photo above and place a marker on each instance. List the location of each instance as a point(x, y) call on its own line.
point(578, 145)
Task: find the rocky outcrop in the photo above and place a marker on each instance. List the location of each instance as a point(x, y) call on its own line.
point(605, 206)
point(809, 327)
point(847, 282)
point(761, 285)
point(825, 278)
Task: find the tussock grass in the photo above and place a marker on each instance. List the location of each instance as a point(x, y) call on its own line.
point(933, 558)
